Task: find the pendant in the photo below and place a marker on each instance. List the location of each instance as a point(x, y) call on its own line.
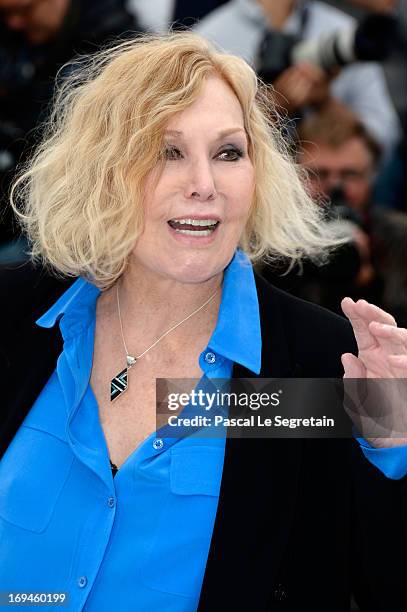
point(119, 383)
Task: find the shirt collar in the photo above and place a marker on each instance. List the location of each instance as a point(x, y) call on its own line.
point(237, 334)
point(81, 294)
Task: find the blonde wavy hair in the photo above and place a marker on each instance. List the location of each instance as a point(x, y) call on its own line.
point(79, 198)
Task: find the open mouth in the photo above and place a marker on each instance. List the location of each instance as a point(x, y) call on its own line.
point(194, 227)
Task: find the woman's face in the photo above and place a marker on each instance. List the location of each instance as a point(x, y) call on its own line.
point(196, 210)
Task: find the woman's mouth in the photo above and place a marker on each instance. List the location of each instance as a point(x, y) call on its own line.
point(194, 227)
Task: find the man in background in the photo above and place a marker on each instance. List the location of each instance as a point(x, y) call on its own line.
point(240, 27)
point(340, 158)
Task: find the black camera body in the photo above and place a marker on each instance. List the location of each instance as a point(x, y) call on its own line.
point(369, 40)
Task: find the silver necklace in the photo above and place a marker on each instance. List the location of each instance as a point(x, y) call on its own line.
point(119, 383)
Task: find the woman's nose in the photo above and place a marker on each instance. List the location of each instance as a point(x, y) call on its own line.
point(200, 184)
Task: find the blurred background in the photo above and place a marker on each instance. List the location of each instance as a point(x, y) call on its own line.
point(339, 75)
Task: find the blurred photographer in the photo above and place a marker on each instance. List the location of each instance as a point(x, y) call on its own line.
point(340, 158)
point(241, 27)
point(37, 37)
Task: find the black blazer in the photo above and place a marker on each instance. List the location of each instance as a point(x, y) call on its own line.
point(301, 524)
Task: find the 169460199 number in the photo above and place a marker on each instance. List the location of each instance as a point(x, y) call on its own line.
point(16, 598)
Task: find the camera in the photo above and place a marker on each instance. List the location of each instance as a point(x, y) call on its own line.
point(369, 40)
point(339, 208)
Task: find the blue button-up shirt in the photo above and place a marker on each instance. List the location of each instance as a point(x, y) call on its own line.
point(139, 541)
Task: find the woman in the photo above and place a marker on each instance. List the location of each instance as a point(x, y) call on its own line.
point(159, 163)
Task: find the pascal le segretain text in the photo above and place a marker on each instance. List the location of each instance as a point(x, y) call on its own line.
point(254, 420)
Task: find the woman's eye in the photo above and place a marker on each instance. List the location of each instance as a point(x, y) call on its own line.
point(172, 153)
point(231, 154)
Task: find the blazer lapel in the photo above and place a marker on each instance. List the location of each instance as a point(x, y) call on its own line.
point(258, 492)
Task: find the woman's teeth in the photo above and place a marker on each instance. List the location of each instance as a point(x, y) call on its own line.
point(194, 227)
point(194, 232)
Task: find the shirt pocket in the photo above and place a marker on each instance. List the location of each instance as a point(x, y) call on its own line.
point(175, 562)
point(33, 473)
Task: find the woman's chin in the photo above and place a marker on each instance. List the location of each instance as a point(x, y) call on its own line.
point(194, 272)
point(196, 276)
point(187, 268)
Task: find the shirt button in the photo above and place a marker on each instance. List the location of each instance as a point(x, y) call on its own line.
point(82, 581)
point(210, 357)
point(111, 502)
point(158, 443)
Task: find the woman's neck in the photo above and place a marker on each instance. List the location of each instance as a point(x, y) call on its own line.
point(150, 304)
